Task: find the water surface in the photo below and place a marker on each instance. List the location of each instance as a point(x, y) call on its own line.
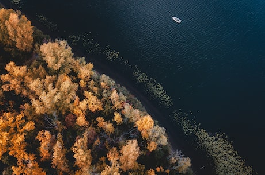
point(211, 64)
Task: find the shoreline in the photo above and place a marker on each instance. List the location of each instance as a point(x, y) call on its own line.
point(175, 140)
point(101, 67)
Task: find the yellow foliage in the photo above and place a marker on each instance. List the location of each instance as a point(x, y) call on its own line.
point(53, 95)
point(12, 135)
point(4, 16)
point(106, 82)
point(151, 172)
point(56, 54)
point(59, 160)
point(52, 98)
point(110, 170)
point(101, 122)
point(15, 30)
point(44, 137)
point(103, 85)
point(15, 77)
point(117, 118)
point(113, 155)
point(81, 118)
point(107, 126)
point(151, 146)
point(85, 72)
point(115, 99)
point(47, 95)
point(93, 102)
point(82, 83)
point(82, 154)
point(129, 155)
point(83, 104)
point(145, 124)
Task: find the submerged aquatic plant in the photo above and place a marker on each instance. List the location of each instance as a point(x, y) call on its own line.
point(226, 159)
point(73, 120)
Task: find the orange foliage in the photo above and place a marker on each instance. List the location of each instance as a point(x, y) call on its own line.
point(110, 170)
point(85, 72)
point(15, 30)
point(15, 77)
point(151, 172)
point(113, 155)
point(59, 160)
point(93, 102)
point(45, 137)
point(101, 122)
point(56, 54)
point(117, 118)
point(107, 126)
point(129, 155)
point(151, 146)
point(145, 124)
point(12, 134)
point(116, 100)
point(82, 154)
point(52, 91)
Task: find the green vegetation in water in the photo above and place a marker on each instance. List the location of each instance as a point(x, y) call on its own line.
point(226, 159)
point(59, 116)
point(217, 146)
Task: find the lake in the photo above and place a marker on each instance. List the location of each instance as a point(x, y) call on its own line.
point(212, 64)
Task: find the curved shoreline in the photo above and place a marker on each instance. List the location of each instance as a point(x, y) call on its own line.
point(199, 165)
point(176, 143)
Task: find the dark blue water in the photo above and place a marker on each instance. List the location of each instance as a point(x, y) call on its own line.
point(212, 64)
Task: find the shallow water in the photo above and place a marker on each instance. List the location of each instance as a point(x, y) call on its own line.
point(211, 64)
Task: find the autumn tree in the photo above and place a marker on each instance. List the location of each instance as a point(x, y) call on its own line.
point(144, 125)
point(117, 118)
point(113, 157)
point(59, 160)
point(80, 112)
point(179, 162)
point(45, 139)
point(82, 154)
point(57, 55)
point(13, 129)
point(129, 155)
point(15, 30)
point(106, 126)
point(130, 113)
point(117, 99)
point(158, 135)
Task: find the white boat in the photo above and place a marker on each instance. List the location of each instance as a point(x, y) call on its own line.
point(176, 19)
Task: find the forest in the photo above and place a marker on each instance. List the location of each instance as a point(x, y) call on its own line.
point(60, 116)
